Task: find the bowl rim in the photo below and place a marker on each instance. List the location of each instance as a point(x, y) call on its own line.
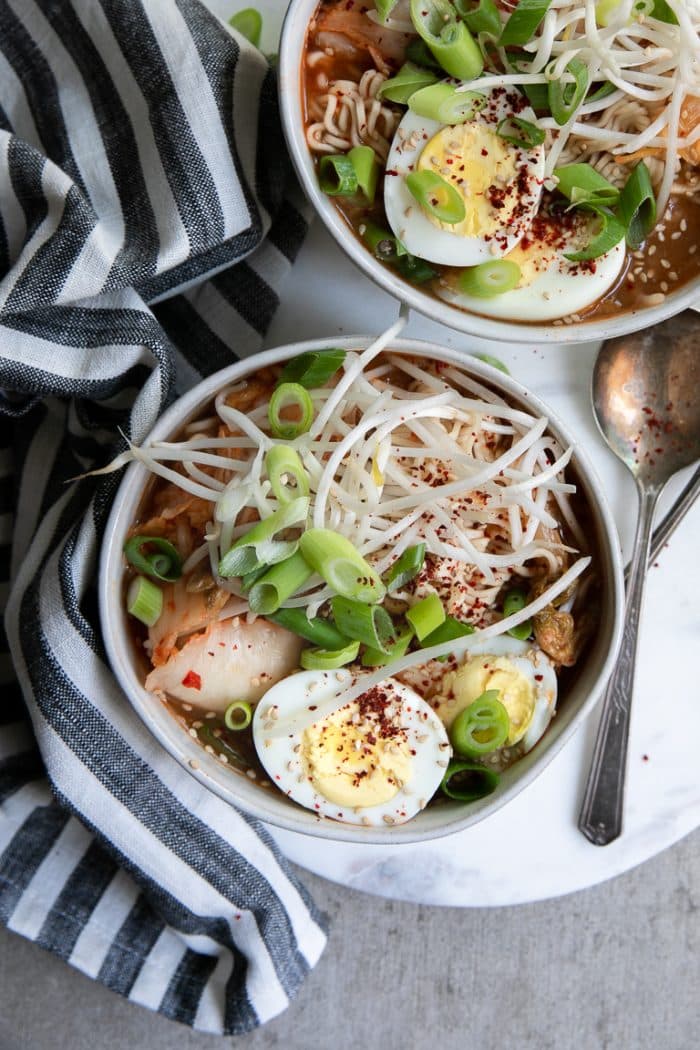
point(236, 790)
point(291, 49)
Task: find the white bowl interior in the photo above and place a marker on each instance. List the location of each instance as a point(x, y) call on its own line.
point(267, 804)
point(291, 52)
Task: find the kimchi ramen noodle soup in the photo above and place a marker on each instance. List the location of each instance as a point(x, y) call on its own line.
point(527, 161)
point(361, 579)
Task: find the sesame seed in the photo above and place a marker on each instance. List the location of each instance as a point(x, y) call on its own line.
point(210, 714)
point(367, 822)
point(252, 774)
point(388, 819)
point(193, 763)
point(197, 725)
point(209, 749)
point(193, 732)
point(443, 763)
point(224, 759)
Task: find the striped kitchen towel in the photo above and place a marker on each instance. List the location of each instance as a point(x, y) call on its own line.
point(140, 156)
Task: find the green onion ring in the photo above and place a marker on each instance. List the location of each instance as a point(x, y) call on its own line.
point(282, 461)
point(289, 395)
point(489, 279)
point(343, 568)
point(405, 568)
point(329, 659)
point(478, 782)
point(436, 196)
point(409, 79)
point(369, 624)
point(164, 563)
point(238, 715)
point(336, 175)
point(278, 584)
point(426, 616)
point(638, 205)
point(482, 727)
point(144, 600)
point(564, 99)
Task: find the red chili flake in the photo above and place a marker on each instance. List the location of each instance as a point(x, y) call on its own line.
point(192, 680)
point(645, 758)
point(390, 171)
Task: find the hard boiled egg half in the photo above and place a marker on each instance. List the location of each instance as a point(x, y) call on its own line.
point(499, 183)
point(375, 761)
point(523, 676)
point(550, 285)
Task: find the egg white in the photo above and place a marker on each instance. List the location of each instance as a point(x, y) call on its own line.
point(281, 755)
point(560, 288)
point(535, 666)
point(411, 225)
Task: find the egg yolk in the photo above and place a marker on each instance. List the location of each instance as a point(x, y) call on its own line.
point(350, 765)
point(481, 166)
point(515, 691)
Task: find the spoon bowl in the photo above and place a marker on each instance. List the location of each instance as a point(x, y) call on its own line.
point(645, 400)
point(646, 406)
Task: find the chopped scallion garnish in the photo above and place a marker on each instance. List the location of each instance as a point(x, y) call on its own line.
point(369, 624)
point(316, 630)
point(520, 132)
point(259, 547)
point(448, 39)
point(409, 79)
point(278, 584)
point(379, 657)
point(313, 368)
point(238, 715)
point(522, 24)
point(336, 175)
point(482, 727)
point(329, 659)
point(155, 557)
point(144, 600)
point(283, 466)
point(295, 398)
point(334, 558)
point(468, 781)
point(565, 97)
point(443, 103)
point(489, 279)
point(513, 602)
point(610, 232)
point(426, 616)
point(484, 18)
point(436, 196)
point(638, 205)
point(366, 166)
point(405, 568)
point(582, 184)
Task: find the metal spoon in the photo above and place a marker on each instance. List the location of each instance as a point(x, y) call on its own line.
point(646, 404)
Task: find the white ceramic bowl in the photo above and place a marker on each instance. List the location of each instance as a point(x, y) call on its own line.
point(291, 53)
point(268, 804)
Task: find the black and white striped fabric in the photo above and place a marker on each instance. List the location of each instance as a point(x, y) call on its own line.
point(140, 157)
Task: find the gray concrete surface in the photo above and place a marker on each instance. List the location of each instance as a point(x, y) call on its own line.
point(614, 968)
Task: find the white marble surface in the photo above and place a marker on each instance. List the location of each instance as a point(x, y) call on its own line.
point(530, 849)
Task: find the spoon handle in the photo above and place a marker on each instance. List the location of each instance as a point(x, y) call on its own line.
point(600, 819)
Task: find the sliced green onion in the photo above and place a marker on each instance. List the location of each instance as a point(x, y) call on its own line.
point(522, 24)
point(611, 232)
point(448, 631)
point(414, 269)
point(638, 205)
point(249, 578)
point(162, 563)
point(144, 600)
point(380, 242)
point(379, 657)
point(369, 624)
point(364, 161)
point(222, 747)
point(582, 184)
point(520, 132)
point(436, 196)
point(495, 362)
point(450, 41)
point(663, 13)
point(384, 8)
point(564, 99)
point(278, 584)
point(316, 630)
point(605, 89)
point(420, 54)
point(537, 95)
point(409, 79)
point(314, 368)
point(290, 395)
point(468, 781)
point(489, 279)
point(405, 568)
point(329, 659)
point(259, 547)
point(514, 601)
point(238, 715)
point(484, 18)
point(426, 616)
point(248, 23)
point(443, 103)
point(343, 568)
point(482, 727)
point(336, 175)
point(283, 464)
